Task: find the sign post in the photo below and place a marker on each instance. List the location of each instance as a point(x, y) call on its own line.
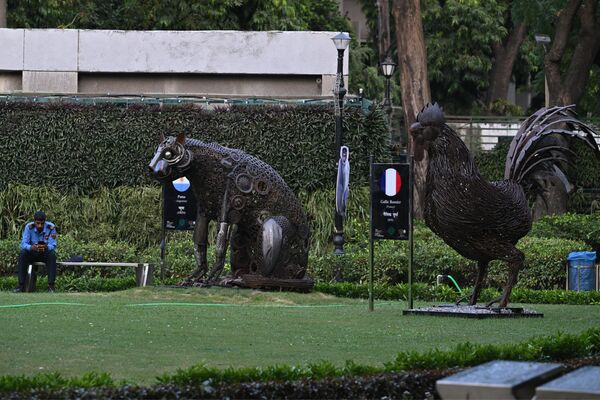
point(411, 170)
point(390, 208)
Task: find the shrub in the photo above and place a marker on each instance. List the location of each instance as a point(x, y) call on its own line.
point(123, 224)
point(545, 262)
point(556, 348)
point(582, 227)
point(445, 293)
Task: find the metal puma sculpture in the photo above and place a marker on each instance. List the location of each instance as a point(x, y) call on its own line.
point(258, 215)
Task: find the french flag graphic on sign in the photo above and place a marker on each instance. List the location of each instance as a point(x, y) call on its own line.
point(390, 182)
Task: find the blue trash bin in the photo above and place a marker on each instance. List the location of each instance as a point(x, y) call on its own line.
point(582, 271)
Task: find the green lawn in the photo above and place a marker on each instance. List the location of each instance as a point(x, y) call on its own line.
point(140, 333)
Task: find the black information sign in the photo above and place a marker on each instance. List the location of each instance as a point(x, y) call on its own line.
point(179, 205)
point(389, 201)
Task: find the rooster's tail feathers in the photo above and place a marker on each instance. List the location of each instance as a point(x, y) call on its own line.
point(528, 152)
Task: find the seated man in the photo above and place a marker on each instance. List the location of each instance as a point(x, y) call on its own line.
point(37, 245)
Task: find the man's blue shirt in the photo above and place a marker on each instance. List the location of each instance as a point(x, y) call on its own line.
point(32, 236)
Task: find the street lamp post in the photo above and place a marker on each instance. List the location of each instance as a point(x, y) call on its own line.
point(341, 41)
point(387, 69)
point(544, 40)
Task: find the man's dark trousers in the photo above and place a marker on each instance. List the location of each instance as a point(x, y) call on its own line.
point(28, 257)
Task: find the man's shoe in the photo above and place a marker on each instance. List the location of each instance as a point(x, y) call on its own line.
point(50, 288)
point(20, 289)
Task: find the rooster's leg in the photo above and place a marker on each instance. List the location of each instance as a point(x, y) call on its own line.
point(515, 263)
point(481, 272)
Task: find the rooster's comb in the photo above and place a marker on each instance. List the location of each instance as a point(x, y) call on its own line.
point(431, 114)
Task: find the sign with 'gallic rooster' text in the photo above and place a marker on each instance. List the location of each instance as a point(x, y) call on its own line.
point(389, 201)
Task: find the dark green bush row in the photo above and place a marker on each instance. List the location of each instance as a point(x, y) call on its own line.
point(444, 293)
point(86, 283)
point(545, 264)
point(50, 381)
point(582, 227)
point(179, 257)
point(84, 148)
point(423, 292)
point(544, 348)
point(418, 385)
point(133, 214)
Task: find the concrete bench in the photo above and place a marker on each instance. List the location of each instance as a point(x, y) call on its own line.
point(143, 271)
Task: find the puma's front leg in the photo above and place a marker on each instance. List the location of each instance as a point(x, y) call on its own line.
point(222, 238)
point(200, 248)
point(220, 251)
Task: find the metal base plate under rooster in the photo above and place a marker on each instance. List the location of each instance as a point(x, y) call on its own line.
point(481, 220)
point(259, 218)
point(477, 312)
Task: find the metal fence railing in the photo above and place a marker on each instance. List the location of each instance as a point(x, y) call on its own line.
point(483, 133)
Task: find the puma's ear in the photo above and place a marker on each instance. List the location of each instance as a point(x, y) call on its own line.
point(162, 137)
point(181, 138)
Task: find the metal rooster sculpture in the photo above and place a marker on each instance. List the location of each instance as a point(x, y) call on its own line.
point(481, 220)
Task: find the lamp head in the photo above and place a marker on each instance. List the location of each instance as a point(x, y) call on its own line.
point(387, 67)
point(542, 39)
point(341, 40)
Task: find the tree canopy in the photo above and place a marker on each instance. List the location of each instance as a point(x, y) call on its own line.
point(257, 15)
point(470, 58)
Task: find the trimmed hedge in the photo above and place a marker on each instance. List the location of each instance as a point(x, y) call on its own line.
point(179, 257)
point(123, 224)
point(581, 227)
point(94, 282)
point(545, 262)
point(445, 293)
point(84, 147)
point(545, 266)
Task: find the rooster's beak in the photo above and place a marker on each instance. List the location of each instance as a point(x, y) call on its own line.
point(416, 126)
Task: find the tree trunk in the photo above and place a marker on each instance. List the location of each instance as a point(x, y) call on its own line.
point(2, 13)
point(568, 88)
point(505, 55)
point(586, 50)
point(383, 29)
point(412, 64)
point(554, 199)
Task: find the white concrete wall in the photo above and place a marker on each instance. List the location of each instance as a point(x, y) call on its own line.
point(47, 57)
point(11, 49)
point(210, 52)
point(50, 50)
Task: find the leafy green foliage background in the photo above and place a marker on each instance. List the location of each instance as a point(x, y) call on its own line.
point(84, 147)
point(584, 172)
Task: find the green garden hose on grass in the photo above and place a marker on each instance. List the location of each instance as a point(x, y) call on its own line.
point(440, 277)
